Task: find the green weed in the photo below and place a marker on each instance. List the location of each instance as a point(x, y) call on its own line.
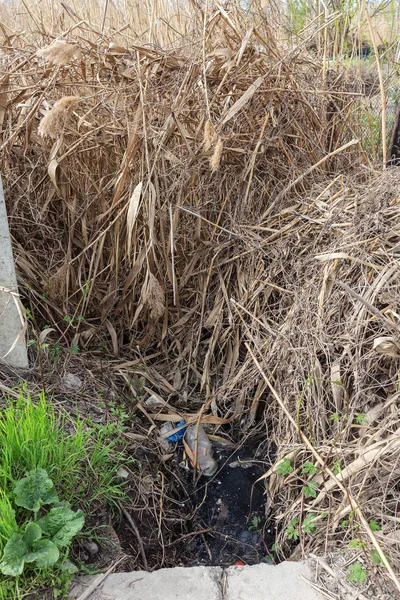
point(34, 547)
point(308, 524)
point(337, 467)
point(8, 523)
point(308, 527)
point(309, 468)
point(292, 531)
point(374, 526)
point(361, 419)
point(310, 490)
point(80, 461)
point(255, 524)
point(357, 573)
point(82, 464)
point(357, 544)
point(284, 467)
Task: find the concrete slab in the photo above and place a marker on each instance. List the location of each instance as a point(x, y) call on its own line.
point(268, 582)
point(10, 320)
point(192, 583)
point(259, 582)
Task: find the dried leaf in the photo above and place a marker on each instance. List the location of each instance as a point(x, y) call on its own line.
point(115, 48)
point(244, 99)
point(387, 346)
point(368, 456)
point(243, 47)
point(114, 337)
point(133, 209)
point(52, 171)
point(216, 156)
point(3, 99)
point(45, 333)
point(331, 256)
point(336, 386)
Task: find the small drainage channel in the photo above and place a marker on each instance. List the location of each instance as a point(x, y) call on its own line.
point(231, 509)
point(210, 521)
point(225, 527)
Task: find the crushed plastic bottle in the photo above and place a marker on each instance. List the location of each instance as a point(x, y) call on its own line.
point(206, 462)
point(174, 437)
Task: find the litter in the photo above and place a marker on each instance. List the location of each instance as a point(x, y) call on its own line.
point(206, 463)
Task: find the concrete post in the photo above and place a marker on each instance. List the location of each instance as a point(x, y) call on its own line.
point(12, 337)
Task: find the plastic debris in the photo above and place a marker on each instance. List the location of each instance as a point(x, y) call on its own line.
point(174, 437)
point(178, 435)
point(206, 462)
point(165, 444)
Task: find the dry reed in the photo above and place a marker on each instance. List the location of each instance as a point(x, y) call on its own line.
point(207, 248)
point(55, 121)
point(59, 53)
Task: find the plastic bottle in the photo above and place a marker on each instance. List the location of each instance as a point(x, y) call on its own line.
point(206, 462)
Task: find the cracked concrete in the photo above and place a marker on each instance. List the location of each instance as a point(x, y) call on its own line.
point(258, 582)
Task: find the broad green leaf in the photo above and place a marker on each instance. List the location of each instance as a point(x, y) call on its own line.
point(14, 551)
point(35, 490)
point(28, 548)
point(61, 525)
point(32, 534)
point(44, 554)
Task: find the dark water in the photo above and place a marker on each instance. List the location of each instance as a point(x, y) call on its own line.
point(232, 505)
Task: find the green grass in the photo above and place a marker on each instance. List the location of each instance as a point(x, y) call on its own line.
point(80, 458)
point(8, 523)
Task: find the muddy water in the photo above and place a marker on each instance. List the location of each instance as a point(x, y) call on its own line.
point(231, 506)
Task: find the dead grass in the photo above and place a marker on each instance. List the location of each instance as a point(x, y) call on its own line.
point(209, 211)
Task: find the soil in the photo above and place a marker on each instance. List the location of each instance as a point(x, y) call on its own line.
point(232, 508)
point(222, 518)
point(214, 521)
point(331, 575)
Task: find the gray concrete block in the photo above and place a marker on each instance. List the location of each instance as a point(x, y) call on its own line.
point(259, 582)
point(268, 582)
point(192, 583)
point(11, 325)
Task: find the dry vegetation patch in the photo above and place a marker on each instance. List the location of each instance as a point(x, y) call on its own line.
point(210, 212)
